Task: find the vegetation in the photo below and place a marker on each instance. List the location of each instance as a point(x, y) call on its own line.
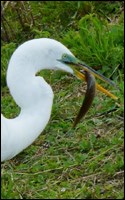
point(63, 163)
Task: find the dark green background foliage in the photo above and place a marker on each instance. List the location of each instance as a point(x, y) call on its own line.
point(82, 163)
point(92, 30)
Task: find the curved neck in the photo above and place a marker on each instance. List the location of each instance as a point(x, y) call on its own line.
point(27, 60)
point(31, 93)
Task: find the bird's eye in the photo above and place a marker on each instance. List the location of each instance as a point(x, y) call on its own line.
point(64, 56)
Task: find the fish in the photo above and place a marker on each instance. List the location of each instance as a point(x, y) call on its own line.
point(89, 97)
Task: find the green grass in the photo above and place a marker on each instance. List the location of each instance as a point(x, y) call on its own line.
point(66, 163)
point(86, 162)
point(99, 43)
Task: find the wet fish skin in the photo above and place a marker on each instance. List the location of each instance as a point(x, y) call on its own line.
point(89, 97)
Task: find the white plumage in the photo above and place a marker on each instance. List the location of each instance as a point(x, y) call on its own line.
point(31, 93)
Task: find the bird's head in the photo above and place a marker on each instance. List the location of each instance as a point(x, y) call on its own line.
point(74, 64)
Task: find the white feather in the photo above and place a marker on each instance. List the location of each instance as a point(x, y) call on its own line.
point(31, 93)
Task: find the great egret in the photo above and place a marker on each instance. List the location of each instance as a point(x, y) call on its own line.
point(32, 93)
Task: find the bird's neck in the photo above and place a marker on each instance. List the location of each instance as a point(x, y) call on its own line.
point(35, 97)
point(31, 93)
point(24, 129)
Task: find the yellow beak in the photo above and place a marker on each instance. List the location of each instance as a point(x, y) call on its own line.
point(73, 62)
point(99, 87)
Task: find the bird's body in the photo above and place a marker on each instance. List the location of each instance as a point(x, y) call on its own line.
point(31, 93)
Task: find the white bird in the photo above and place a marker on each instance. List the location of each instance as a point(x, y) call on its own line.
point(31, 93)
